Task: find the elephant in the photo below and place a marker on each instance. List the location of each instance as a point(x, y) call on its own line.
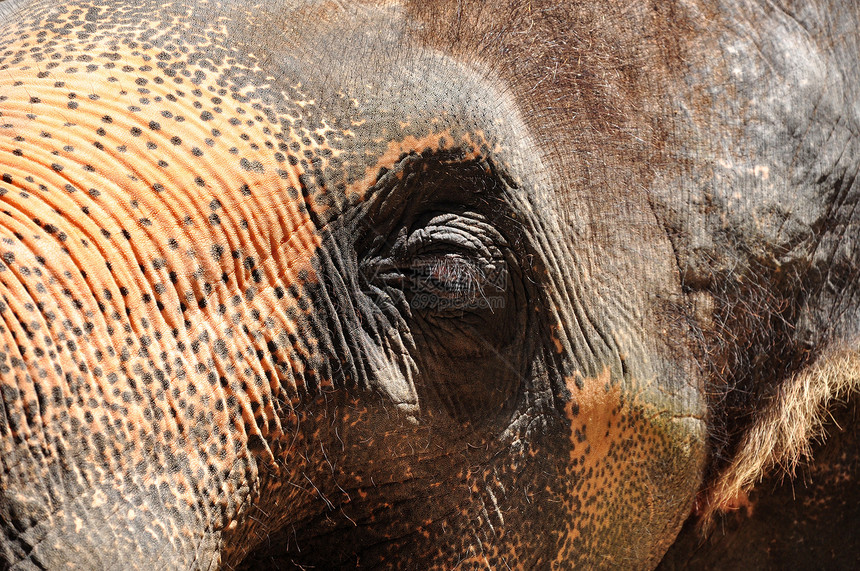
point(423, 284)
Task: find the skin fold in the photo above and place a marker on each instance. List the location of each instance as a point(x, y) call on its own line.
point(436, 285)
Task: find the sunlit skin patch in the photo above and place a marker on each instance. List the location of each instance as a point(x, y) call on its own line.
point(158, 185)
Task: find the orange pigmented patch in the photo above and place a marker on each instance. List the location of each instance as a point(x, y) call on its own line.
point(162, 247)
point(625, 453)
point(395, 150)
point(595, 424)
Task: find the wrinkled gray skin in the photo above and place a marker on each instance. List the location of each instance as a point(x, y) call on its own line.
point(428, 284)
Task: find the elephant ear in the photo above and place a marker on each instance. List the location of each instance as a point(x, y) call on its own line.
point(783, 432)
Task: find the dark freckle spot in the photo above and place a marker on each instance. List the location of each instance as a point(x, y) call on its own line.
point(279, 292)
point(126, 234)
point(123, 291)
point(214, 219)
point(107, 119)
point(7, 178)
point(246, 190)
point(206, 116)
point(56, 167)
point(136, 131)
point(154, 126)
point(199, 181)
point(176, 140)
point(252, 166)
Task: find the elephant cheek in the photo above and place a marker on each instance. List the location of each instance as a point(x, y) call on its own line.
point(631, 478)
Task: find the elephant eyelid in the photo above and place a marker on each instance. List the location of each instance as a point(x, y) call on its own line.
point(448, 274)
point(452, 285)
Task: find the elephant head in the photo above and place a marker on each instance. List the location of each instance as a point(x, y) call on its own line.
point(435, 285)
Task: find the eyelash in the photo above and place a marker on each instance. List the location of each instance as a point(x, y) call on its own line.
point(451, 276)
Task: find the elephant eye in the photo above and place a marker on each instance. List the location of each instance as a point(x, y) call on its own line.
point(439, 245)
point(454, 283)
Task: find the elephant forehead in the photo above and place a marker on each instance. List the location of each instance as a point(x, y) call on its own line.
point(181, 101)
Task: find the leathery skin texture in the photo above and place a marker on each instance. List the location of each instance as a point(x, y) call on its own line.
point(220, 225)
